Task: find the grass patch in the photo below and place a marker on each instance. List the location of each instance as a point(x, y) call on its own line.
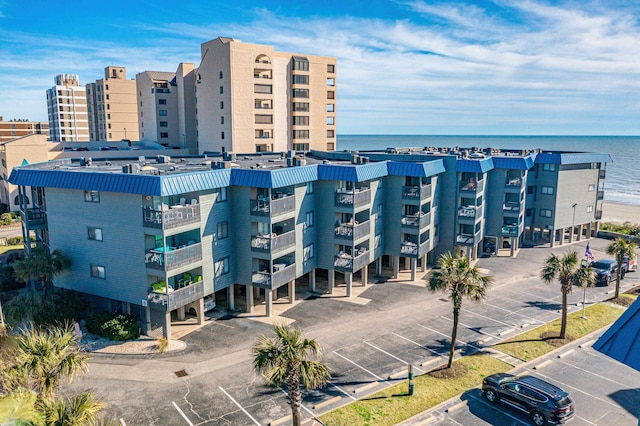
point(541, 340)
point(6, 249)
point(393, 405)
point(625, 299)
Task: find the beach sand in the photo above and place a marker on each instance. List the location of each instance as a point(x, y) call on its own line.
point(620, 213)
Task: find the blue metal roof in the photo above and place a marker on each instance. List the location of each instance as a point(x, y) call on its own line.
point(474, 166)
point(352, 172)
point(515, 163)
point(572, 158)
point(622, 340)
point(423, 169)
point(195, 181)
point(274, 178)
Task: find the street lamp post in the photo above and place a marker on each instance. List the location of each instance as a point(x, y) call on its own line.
point(584, 264)
point(125, 133)
point(573, 222)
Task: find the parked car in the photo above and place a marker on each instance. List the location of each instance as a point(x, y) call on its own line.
point(630, 265)
point(606, 270)
point(542, 401)
point(209, 304)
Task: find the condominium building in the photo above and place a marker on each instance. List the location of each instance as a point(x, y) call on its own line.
point(67, 110)
point(17, 128)
point(17, 152)
point(112, 106)
point(246, 228)
point(252, 98)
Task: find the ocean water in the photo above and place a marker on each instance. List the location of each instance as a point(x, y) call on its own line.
point(622, 183)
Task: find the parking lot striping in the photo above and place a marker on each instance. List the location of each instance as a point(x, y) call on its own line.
point(485, 403)
point(476, 329)
point(362, 368)
point(341, 390)
point(418, 344)
point(301, 405)
point(617, 382)
point(184, 416)
point(529, 317)
point(447, 335)
point(566, 385)
point(468, 311)
point(586, 421)
point(391, 355)
point(239, 406)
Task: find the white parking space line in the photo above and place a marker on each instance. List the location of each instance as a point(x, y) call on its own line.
point(469, 311)
point(617, 382)
point(475, 329)
point(495, 407)
point(341, 390)
point(184, 416)
point(362, 368)
point(447, 335)
point(391, 355)
point(239, 406)
point(301, 405)
point(567, 385)
point(418, 344)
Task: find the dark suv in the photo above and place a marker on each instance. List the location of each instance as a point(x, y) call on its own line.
point(544, 402)
point(606, 270)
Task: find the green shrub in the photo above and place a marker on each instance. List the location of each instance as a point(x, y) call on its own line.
point(6, 219)
point(65, 306)
point(626, 228)
point(162, 344)
point(14, 241)
point(113, 326)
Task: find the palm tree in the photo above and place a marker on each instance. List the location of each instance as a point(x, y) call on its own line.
point(461, 281)
point(568, 270)
point(621, 248)
point(80, 410)
point(19, 408)
point(41, 263)
point(286, 359)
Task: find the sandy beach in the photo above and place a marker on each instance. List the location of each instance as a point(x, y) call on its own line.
point(620, 213)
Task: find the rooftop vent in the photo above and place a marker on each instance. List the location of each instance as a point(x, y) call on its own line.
point(85, 161)
point(130, 168)
point(163, 159)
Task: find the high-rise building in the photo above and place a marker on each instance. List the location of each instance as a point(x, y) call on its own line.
point(112, 106)
point(17, 128)
point(67, 110)
point(251, 98)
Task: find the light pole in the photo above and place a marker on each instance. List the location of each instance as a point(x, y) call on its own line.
point(585, 264)
point(125, 133)
point(573, 222)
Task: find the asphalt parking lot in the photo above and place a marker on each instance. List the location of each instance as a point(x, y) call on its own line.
point(368, 342)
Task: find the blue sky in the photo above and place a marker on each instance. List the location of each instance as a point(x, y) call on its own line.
point(521, 67)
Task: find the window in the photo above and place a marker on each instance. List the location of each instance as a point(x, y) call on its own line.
point(546, 190)
point(331, 82)
point(221, 135)
point(162, 101)
point(98, 272)
point(377, 241)
point(308, 223)
point(223, 230)
point(545, 213)
point(549, 167)
point(379, 211)
point(590, 209)
point(331, 107)
point(92, 196)
point(16, 200)
point(95, 233)
point(331, 68)
point(301, 134)
point(530, 212)
point(331, 121)
point(301, 147)
point(107, 98)
point(308, 252)
point(221, 75)
point(300, 79)
point(221, 120)
point(301, 64)
point(592, 187)
point(301, 106)
point(331, 146)
point(331, 134)
point(221, 90)
point(331, 94)
point(309, 189)
point(264, 119)
point(222, 194)
point(221, 267)
point(162, 112)
point(221, 105)
point(301, 120)
point(164, 124)
point(300, 93)
point(262, 88)
point(164, 135)
point(106, 86)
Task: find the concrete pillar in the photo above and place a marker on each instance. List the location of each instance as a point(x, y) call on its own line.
point(424, 263)
point(249, 294)
point(167, 326)
point(589, 230)
point(332, 280)
point(312, 281)
point(552, 237)
point(268, 300)
point(200, 311)
point(256, 292)
point(514, 242)
point(379, 266)
point(580, 229)
point(127, 308)
point(181, 314)
point(414, 264)
point(396, 266)
point(364, 273)
point(292, 291)
point(231, 298)
point(407, 263)
point(348, 277)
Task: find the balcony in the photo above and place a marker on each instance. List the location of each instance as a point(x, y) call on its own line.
point(358, 198)
point(472, 212)
point(171, 218)
point(510, 230)
point(176, 298)
point(347, 263)
point(416, 192)
point(598, 214)
point(600, 195)
point(409, 248)
point(511, 207)
point(169, 258)
point(282, 274)
point(468, 239)
point(416, 221)
point(472, 186)
point(283, 203)
point(273, 243)
point(513, 184)
point(34, 216)
point(602, 174)
point(349, 231)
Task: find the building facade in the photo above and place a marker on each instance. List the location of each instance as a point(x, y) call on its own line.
point(242, 227)
point(13, 129)
point(112, 106)
point(67, 110)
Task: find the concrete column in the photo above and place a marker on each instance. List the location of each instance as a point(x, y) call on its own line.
point(181, 314)
point(379, 266)
point(407, 263)
point(200, 311)
point(364, 273)
point(127, 308)
point(424, 263)
point(249, 294)
point(514, 242)
point(396, 266)
point(580, 229)
point(292, 291)
point(332, 280)
point(312, 280)
point(268, 300)
point(231, 298)
point(414, 264)
point(589, 230)
point(167, 326)
point(348, 277)
point(256, 292)
point(552, 238)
